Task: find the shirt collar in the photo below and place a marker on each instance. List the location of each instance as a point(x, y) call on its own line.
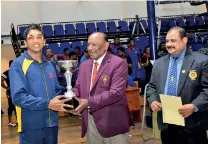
point(30, 58)
point(181, 56)
point(99, 61)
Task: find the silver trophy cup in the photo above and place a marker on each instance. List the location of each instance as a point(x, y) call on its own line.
point(67, 65)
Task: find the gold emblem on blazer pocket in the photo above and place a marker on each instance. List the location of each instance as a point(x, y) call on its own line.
point(105, 79)
point(193, 74)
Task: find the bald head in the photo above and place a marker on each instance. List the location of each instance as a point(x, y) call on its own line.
point(100, 35)
point(97, 45)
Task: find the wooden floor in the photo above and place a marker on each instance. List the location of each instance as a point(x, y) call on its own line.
point(69, 130)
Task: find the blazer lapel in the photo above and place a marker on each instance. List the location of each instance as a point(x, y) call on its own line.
point(88, 75)
point(187, 63)
point(103, 66)
point(164, 71)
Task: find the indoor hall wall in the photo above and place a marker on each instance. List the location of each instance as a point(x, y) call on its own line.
point(7, 54)
point(24, 12)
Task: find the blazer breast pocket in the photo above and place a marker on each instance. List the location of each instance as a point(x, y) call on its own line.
point(104, 82)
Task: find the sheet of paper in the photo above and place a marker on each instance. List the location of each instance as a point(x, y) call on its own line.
point(170, 106)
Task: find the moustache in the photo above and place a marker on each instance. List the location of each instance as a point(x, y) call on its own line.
point(170, 47)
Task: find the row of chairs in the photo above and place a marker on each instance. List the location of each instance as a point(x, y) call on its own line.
point(70, 29)
point(140, 42)
point(190, 21)
point(112, 26)
point(58, 48)
point(195, 37)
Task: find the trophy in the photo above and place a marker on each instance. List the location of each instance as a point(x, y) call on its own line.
point(67, 65)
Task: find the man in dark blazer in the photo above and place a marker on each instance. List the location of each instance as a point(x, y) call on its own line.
point(185, 74)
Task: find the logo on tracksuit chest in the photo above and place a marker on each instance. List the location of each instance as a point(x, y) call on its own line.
point(51, 75)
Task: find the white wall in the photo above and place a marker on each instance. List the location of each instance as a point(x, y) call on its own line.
point(24, 12)
point(17, 12)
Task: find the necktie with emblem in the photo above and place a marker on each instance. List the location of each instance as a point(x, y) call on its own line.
point(94, 73)
point(172, 79)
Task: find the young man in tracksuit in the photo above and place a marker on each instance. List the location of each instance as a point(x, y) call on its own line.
point(34, 90)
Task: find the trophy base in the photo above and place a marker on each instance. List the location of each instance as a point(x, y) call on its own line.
point(72, 102)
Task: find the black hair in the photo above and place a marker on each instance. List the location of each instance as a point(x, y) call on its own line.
point(180, 30)
point(72, 53)
point(116, 37)
point(86, 51)
point(146, 48)
point(121, 49)
point(105, 37)
point(130, 39)
point(32, 27)
point(77, 47)
point(10, 62)
point(66, 49)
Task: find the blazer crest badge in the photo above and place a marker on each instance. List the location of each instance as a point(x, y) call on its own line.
point(105, 79)
point(193, 74)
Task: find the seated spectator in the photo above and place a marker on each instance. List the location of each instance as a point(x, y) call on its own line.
point(74, 70)
point(145, 60)
point(78, 52)
point(121, 54)
point(51, 57)
point(60, 72)
point(130, 81)
point(162, 50)
point(64, 56)
point(117, 44)
point(85, 56)
point(110, 50)
point(190, 48)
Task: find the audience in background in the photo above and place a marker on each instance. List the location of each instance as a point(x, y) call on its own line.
point(75, 69)
point(145, 60)
point(133, 53)
point(130, 81)
point(78, 52)
point(138, 63)
point(121, 54)
point(117, 44)
point(61, 71)
point(85, 56)
point(5, 83)
point(162, 50)
point(64, 56)
point(51, 57)
point(132, 47)
point(190, 48)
